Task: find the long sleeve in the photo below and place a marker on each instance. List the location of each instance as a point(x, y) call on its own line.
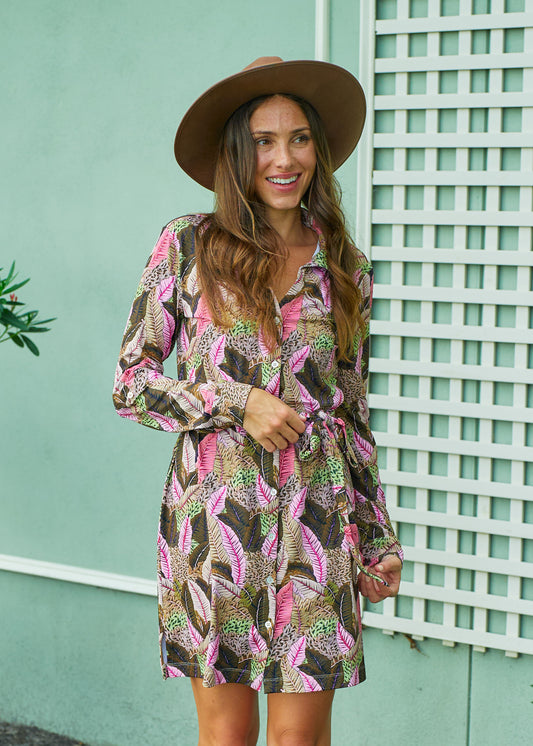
point(377, 536)
point(142, 392)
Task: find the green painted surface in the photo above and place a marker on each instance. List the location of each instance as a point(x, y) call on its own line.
point(92, 93)
point(83, 662)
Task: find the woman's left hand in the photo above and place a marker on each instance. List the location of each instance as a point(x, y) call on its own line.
point(390, 569)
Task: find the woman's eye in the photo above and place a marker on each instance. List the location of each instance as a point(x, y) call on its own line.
point(302, 139)
point(262, 141)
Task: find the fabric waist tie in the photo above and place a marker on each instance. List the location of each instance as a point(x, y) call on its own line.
point(327, 434)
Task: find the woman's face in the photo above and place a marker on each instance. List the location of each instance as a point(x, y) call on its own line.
point(285, 153)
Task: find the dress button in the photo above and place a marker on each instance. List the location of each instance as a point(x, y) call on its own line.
point(274, 492)
point(268, 624)
point(270, 580)
point(275, 364)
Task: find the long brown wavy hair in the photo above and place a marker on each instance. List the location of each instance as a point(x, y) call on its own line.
point(238, 249)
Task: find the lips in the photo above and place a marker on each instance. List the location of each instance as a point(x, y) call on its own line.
point(283, 181)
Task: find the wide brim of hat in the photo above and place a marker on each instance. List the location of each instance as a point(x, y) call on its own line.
point(333, 91)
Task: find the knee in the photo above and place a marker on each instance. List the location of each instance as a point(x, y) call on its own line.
point(295, 737)
point(230, 734)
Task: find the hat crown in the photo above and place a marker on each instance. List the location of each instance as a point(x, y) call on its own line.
point(262, 62)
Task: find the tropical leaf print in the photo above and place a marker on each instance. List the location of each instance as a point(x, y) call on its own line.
point(298, 358)
point(315, 552)
point(255, 549)
point(234, 552)
point(284, 606)
point(184, 541)
point(164, 558)
point(207, 449)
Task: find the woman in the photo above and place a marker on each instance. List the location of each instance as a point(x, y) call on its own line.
point(273, 516)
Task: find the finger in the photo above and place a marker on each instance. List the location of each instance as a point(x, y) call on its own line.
point(279, 441)
point(289, 434)
point(296, 422)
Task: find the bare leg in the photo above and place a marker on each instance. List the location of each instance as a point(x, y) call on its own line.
point(299, 719)
point(228, 714)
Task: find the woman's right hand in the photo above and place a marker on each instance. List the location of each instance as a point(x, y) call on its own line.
point(270, 422)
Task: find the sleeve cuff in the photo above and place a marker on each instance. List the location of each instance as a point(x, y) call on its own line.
point(230, 403)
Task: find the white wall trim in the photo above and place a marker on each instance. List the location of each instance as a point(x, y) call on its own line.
point(322, 30)
point(365, 148)
point(81, 575)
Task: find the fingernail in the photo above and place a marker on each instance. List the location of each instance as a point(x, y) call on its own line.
point(379, 568)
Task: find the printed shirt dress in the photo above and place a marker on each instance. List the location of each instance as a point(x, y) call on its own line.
point(258, 552)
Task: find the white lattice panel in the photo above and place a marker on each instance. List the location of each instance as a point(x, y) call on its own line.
point(450, 237)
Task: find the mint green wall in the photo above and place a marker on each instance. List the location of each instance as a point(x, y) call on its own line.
point(92, 93)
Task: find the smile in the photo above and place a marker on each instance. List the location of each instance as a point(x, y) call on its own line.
point(278, 180)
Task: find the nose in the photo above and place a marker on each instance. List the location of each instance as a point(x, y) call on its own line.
point(283, 156)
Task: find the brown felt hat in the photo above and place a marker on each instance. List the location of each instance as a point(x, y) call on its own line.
point(335, 93)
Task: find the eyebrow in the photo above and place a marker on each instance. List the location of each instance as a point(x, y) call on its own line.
point(270, 132)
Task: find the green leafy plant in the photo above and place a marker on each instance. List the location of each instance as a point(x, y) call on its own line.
point(16, 323)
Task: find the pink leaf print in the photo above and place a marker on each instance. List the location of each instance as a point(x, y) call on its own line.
point(324, 289)
point(164, 556)
point(363, 446)
point(359, 497)
point(286, 464)
point(185, 536)
point(177, 489)
point(354, 680)
point(160, 251)
point(310, 684)
point(270, 543)
point(199, 600)
point(273, 386)
point(167, 423)
point(212, 651)
point(263, 492)
point(184, 339)
point(165, 288)
point(359, 358)
point(257, 683)
point(208, 395)
point(219, 677)
point(345, 641)
point(128, 414)
point(194, 634)
point(315, 552)
point(235, 553)
point(265, 350)
point(296, 654)
point(218, 348)
point(351, 533)
point(225, 588)
point(291, 313)
point(257, 644)
point(298, 358)
point(338, 398)
point(311, 404)
point(217, 501)
point(297, 505)
point(379, 515)
point(188, 454)
point(306, 588)
point(284, 604)
point(173, 672)
point(207, 449)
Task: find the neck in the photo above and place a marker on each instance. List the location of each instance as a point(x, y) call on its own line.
point(288, 224)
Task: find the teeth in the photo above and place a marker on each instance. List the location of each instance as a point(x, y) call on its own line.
point(277, 180)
